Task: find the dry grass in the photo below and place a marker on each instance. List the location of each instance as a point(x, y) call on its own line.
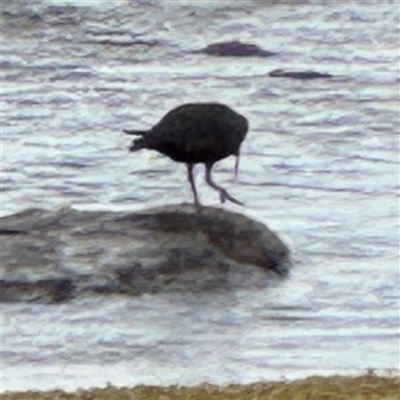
point(367, 387)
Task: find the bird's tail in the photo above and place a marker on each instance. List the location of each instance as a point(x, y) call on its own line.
point(134, 132)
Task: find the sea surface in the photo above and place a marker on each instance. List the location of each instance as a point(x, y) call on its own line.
point(320, 167)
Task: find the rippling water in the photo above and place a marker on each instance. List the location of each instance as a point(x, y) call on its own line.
point(320, 166)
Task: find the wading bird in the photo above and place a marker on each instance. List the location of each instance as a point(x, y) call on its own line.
point(196, 133)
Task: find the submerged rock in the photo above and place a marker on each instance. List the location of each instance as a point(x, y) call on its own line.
point(124, 43)
point(235, 49)
point(51, 290)
point(53, 256)
point(304, 75)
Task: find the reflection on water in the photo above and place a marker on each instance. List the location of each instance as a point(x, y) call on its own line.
point(319, 166)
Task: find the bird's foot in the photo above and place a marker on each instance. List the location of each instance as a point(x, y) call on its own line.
point(197, 203)
point(224, 195)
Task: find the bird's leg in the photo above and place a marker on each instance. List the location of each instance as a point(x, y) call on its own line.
point(237, 166)
point(192, 184)
point(223, 194)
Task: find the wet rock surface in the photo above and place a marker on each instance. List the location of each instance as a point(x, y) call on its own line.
point(302, 75)
point(235, 49)
point(51, 256)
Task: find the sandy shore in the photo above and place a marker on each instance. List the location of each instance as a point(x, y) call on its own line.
point(365, 387)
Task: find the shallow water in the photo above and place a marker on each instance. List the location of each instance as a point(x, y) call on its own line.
point(320, 166)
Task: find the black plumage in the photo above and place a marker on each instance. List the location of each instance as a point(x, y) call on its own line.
point(197, 133)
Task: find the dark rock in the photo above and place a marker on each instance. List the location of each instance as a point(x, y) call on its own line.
point(52, 256)
point(10, 232)
point(235, 49)
point(41, 290)
point(304, 75)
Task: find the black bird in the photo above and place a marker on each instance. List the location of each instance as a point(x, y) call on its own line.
point(197, 133)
